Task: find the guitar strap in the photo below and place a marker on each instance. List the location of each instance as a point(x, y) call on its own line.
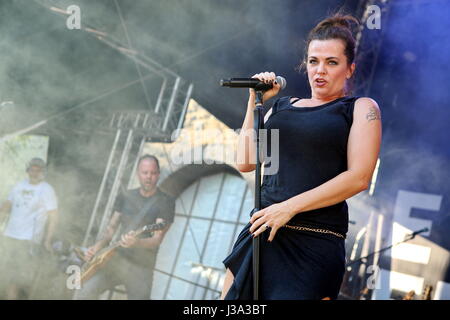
point(138, 218)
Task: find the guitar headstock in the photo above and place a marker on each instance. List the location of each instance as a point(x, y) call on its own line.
point(410, 295)
point(426, 294)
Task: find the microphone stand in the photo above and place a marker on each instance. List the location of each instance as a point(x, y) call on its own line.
point(364, 259)
point(257, 125)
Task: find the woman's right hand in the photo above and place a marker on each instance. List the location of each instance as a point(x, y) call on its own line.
point(266, 77)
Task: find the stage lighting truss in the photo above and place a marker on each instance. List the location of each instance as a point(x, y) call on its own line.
point(368, 44)
point(158, 121)
point(133, 128)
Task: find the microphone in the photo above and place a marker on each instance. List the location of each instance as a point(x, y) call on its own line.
point(252, 83)
point(419, 231)
point(415, 233)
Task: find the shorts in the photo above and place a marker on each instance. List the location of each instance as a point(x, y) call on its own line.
point(17, 265)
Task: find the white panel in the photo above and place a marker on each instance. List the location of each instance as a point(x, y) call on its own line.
point(208, 193)
point(406, 282)
point(412, 253)
point(231, 198)
point(218, 243)
point(407, 251)
point(178, 290)
point(191, 248)
point(389, 280)
point(202, 276)
point(442, 291)
point(160, 281)
point(184, 201)
point(199, 293)
point(168, 247)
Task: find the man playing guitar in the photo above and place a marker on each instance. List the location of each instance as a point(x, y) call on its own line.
point(135, 260)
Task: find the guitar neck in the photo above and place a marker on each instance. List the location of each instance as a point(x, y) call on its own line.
point(147, 228)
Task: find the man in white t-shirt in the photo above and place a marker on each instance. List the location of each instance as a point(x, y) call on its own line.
point(32, 207)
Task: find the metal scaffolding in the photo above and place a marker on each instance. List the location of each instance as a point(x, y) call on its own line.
point(368, 44)
point(133, 128)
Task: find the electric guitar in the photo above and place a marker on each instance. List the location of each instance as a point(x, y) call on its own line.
point(101, 258)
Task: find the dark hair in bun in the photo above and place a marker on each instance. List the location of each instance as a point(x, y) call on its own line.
point(338, 26)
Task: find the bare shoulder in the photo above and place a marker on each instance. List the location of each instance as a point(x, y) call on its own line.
point(366, 101)
point(367, 108)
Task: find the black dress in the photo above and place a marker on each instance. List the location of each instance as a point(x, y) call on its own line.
point(299, 264)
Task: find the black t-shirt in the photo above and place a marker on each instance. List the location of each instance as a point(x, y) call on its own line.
point(129, 204)
point(312, 149)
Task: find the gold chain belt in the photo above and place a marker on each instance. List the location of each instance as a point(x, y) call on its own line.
point(339, 235)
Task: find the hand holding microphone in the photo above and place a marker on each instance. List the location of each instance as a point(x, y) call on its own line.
point(267, 82)
point(267, 78)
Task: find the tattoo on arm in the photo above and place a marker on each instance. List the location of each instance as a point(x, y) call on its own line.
point(373, 114)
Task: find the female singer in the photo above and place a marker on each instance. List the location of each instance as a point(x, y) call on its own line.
point(328, 149)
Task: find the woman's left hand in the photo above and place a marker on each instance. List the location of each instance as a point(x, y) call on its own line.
point(273, 217)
